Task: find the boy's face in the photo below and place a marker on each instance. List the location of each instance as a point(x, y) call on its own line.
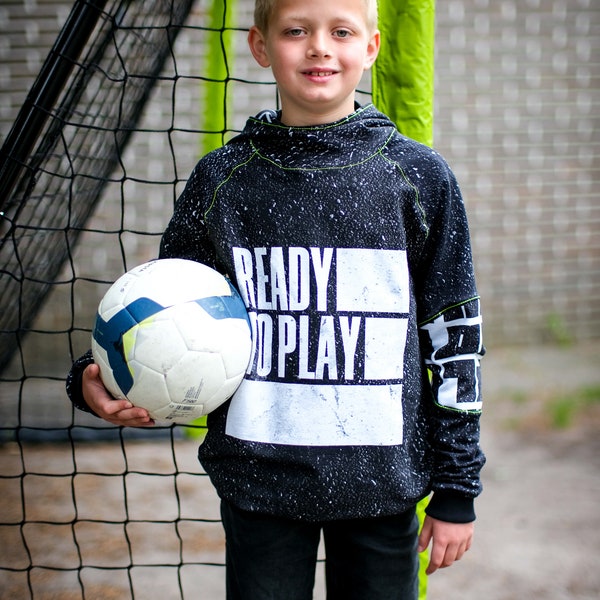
point(318, 51)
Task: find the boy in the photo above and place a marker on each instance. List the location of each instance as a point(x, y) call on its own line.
point(349, 244)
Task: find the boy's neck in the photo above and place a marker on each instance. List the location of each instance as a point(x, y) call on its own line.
point(311, 118)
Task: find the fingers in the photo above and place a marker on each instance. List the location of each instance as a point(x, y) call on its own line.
point(426, 533)
point(116, 411)
point(124, 414)
point(444, 557)
point(450, 542)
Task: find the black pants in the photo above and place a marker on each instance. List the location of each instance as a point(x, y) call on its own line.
point(270, 558)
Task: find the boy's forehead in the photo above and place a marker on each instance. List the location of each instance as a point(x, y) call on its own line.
point(317, 8)
point(266, 10)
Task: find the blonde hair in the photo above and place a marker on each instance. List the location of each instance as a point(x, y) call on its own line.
point(264, 8)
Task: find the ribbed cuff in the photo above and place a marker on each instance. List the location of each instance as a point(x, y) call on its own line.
point(74, 382)
point(451, 506)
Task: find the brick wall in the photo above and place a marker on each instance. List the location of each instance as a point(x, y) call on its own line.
point(516, 115)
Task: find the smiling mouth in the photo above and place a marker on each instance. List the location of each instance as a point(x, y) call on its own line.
point(319, 73)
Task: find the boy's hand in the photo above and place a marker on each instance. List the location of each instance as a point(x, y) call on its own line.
point(450, 541)
point(117, 412)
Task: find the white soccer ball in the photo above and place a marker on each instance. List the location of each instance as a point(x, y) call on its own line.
point(172, 336)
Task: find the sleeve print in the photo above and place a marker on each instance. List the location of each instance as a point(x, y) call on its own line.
point(452, 342)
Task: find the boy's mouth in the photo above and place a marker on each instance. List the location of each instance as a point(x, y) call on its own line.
point(319, 73)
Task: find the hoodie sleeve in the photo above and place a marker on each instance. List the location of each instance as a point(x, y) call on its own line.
point(73, 382)
point(186, 235)
point(450, 331)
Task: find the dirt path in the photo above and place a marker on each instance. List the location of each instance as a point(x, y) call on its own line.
point(537, 534)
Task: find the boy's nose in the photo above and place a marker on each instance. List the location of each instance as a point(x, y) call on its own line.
point(319, 45)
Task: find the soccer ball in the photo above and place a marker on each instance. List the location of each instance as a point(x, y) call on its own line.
point(172, 336)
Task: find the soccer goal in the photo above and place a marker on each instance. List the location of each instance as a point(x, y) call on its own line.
point(128, 98)
point(130, 95)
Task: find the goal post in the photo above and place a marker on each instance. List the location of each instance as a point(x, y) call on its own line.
point(215, 88)
point(403, 73)
point(403, 88)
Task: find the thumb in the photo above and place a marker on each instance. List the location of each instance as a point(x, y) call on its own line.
point(425, 535)
point(92, 371)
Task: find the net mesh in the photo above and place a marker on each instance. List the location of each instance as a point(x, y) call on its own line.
point(90, 511)
point(81, 141)
point(104, 513)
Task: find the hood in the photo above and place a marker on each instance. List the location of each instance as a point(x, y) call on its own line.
point(346, 142)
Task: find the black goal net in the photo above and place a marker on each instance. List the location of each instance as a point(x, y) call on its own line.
point(68, 141)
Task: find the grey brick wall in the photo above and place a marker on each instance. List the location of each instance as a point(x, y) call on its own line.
point(516, 115)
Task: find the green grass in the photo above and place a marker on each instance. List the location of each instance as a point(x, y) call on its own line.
point(558, 330)
point(556, 411)
point(566, 407)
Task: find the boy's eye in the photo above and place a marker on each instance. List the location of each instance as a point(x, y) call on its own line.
point(342, 33)
point(294, 32)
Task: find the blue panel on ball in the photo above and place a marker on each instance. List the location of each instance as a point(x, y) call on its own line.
point(109, 335)
point(224, 307)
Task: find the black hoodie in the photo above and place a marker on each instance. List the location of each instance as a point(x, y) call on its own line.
point(349, 244)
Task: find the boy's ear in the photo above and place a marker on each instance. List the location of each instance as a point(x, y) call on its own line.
point(258, 46)
point(372, 50)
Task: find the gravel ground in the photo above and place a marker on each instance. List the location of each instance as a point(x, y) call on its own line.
point(536, 533)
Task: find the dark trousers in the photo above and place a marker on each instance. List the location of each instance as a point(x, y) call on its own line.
point(269, 558)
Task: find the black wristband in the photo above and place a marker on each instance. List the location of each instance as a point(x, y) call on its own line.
point(451, 506)
point(74, 382)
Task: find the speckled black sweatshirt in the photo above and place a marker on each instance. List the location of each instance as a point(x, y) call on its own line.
point(350, 247)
